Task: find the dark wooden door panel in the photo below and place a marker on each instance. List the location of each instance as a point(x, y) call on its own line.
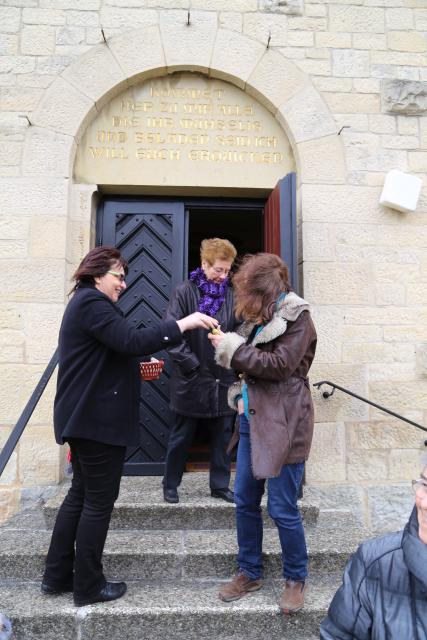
point(150, 235)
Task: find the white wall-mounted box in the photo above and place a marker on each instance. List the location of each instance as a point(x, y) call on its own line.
point(401, 191)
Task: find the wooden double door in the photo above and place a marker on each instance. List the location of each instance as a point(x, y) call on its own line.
point(160, 239)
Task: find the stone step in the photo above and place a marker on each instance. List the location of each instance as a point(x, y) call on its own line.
point(188, 610)
point(141, 505)
point(142, 554)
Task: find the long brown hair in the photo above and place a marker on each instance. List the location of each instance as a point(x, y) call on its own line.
point(96, 263)
point(259, 281)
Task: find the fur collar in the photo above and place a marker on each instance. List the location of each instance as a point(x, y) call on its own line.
point(289, 310)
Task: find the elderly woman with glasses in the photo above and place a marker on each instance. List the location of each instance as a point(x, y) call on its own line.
point(384, 591)
point(96, 412)
point(198, 386)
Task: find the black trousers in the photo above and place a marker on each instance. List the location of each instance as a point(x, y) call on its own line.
point(180, 439)
point(74, 558)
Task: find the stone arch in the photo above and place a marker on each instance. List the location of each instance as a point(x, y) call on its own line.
point(105, 70)
point(76, 96)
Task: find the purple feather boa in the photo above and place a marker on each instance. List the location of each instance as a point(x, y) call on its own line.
point(212, 294)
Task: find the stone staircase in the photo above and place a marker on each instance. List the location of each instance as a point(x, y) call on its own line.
point(174, 558)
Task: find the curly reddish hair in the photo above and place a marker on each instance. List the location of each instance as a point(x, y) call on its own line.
point(96, 264)
point(213, 249)
point(258, 282)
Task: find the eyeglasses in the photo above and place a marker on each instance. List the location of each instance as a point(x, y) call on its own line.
point(420, 486)
point(220, 271)
point(120, 276)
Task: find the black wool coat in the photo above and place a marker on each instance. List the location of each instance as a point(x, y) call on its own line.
point(198, 385)
point(98, 384)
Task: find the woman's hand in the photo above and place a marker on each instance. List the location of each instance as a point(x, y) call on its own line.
point(216, 338)
point(197, 320)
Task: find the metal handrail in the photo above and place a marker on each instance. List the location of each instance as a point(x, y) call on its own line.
point(328, 394)
point(18, 429)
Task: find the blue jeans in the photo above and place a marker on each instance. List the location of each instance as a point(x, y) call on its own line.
point(282, 508)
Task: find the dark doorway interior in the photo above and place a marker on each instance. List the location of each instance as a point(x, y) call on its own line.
point(244, 228)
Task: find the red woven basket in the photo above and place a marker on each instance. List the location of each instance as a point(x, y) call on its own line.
point(151, 370)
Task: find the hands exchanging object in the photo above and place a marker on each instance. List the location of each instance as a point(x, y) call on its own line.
point(197, 320)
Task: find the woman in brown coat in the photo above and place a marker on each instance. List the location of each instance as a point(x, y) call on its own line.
point(273, 350)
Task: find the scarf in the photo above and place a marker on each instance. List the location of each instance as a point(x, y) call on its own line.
point(212, 294)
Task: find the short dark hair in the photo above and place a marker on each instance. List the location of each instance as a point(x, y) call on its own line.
point(258, 282)
point(97, 263)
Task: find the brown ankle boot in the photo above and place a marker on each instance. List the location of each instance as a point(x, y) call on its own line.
point(292, 598)
point(238, 587)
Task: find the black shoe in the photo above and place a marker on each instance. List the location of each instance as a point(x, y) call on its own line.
point(110, 591)
point(170, 495)
point(54, 591)
point(223, 494)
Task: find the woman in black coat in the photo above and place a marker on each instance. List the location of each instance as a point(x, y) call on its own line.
point(96, 412)
point(198, 385)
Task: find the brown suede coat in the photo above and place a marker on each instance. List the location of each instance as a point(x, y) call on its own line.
point(275, 367)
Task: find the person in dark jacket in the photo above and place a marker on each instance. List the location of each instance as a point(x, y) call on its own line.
point(198, 386)
point(273, 349)
point(96, 412)
point(384, 591)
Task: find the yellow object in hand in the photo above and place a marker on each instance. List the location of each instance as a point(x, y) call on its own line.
point(216, 330)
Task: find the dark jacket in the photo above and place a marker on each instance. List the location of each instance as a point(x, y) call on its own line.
point(98, 385)
point(275, 366)
point(384, 591)
point(198, 386)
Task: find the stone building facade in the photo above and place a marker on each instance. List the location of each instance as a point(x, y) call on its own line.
point(345, 81)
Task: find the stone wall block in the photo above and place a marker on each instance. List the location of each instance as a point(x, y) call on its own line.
point(347, 62)
point(18, 382)
point(339, 407)
point(359, 353)
point(37, 196)
point(389, 433)
point(306, 116)
point(333, 40)
point(184, 44)
point(38, 456)
point(64, 109)
point(317, 245)
point(321, 160)
point(363, 466)
point(400, 396)
point(406, 41)
point(48, 153)
point(329, 327)
point(42, 231)
point(234, 56)
point(364, 153)
point(262, 26)
point(331, 202)
point(12, 346)
point(327, 454)
point(405, 464)
point(43, 16)
point(274, 80)
point(10, 19)
point(37, 40)
point(403, 96)
point(223, 5)
point(31, 281)
point(417, 161)
point(139, 52)
point(338, 284)
point(11, 316)
point(353, 103)
point(389, 507)
point(399, 18)
point(291, 7)
point(122, 18)
point(97, 75)
point(22, 99)
point(42, 322)
point(356, 19)
point(82, 5)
